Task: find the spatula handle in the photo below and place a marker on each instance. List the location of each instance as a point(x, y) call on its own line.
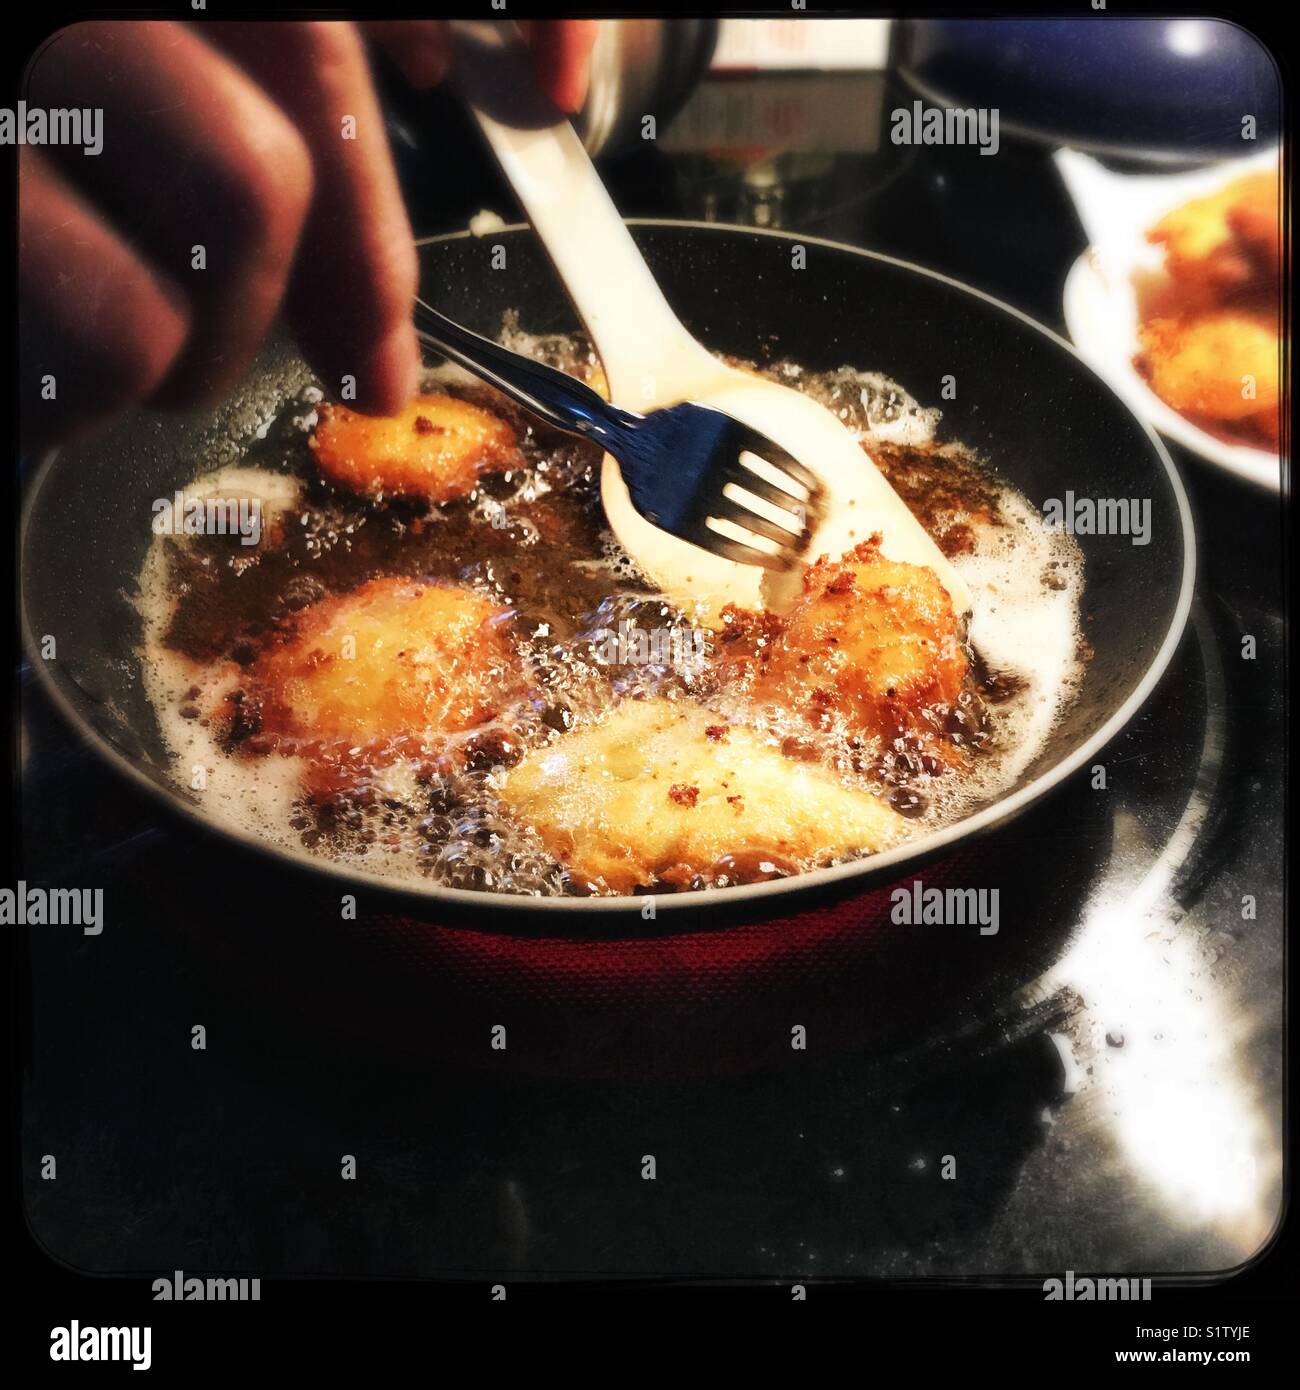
point(648, 356)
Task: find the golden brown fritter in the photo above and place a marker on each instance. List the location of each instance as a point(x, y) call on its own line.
point(659, 791)
point(1201, 240)
point(436, 448)
point(1210, 346)
point(870, 639)
point(1257, 224)
point(396, 657)
point(1196, 364)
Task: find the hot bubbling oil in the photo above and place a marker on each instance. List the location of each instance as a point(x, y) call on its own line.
point(533, 541)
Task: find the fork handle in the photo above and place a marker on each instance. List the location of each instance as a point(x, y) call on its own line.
point(544, 391)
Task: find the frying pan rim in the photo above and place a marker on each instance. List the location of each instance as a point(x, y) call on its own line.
point(817, 881)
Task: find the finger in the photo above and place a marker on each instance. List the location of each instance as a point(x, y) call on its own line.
point(421, 48)
point(562, 54)
point(99, 329)
point(353, 288)
point(210, 178)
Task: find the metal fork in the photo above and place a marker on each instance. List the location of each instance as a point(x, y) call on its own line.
point(690, 469)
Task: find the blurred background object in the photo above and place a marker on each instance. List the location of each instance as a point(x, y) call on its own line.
point(1150, 90)
point(641, 66)
point(785, 123)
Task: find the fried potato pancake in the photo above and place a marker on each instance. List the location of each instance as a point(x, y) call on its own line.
point(394, 657)
point(1257, 223)
point(871, 639)
point(1197, 364)
point(436, 448)
point(661, 790)
point(1201, 240)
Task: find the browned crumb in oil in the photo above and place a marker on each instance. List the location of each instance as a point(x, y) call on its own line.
point(995, 687)
point(944, 488)
point(749, 866)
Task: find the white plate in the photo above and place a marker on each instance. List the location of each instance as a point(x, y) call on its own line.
point(1101, 307)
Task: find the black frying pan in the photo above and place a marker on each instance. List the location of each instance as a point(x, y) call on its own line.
point(1024, 399)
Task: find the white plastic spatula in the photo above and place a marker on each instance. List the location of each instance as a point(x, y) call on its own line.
point(649, 358)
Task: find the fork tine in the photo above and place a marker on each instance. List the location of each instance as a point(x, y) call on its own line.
point(730, 549)
point(781, 459)
point(763, 488)
point(733, 510)
point(792, 468)
point(796, 508)
point(709, 534)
